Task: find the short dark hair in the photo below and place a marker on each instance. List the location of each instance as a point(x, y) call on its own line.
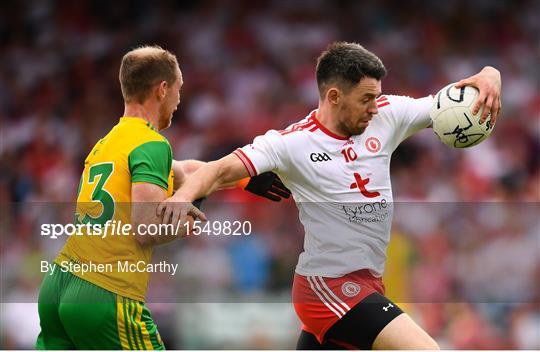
point(345, 64)
point(144, 67)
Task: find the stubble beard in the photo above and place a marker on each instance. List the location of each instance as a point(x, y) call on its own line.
point(352, 130)
point(165, 119)
point(357, 131)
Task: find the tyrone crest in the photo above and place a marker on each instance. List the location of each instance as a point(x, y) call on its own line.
point(350, 289)
point(373, 144)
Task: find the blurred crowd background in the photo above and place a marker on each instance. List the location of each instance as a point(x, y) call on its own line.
point(465, 251)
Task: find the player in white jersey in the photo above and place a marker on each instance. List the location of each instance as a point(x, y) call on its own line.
point(336, 162)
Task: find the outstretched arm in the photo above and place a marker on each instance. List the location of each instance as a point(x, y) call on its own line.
point(267, 184)
point(488, 82)
point(183, 169)
point(207, 179)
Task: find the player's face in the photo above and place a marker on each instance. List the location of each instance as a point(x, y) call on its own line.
point(170, 103)
point(358, 106)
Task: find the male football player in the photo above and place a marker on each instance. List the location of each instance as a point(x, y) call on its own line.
point(336, 162)
point(125, 175)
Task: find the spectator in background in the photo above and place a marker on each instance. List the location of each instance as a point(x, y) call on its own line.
point(54, 53)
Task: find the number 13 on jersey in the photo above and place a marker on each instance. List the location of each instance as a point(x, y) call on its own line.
point(100, 207)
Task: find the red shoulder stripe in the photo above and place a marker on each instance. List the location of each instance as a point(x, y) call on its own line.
point(298, 127)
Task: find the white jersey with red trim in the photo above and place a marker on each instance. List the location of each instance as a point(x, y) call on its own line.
point(341, 186)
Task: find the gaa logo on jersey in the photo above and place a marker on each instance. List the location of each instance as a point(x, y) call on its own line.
point(373, 144)
point(350, 289)
point(319, 157)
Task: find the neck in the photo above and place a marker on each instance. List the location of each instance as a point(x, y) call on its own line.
point(144, 111)
point(327, 117)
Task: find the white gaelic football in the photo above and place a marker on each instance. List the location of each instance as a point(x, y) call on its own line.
point(453, 120)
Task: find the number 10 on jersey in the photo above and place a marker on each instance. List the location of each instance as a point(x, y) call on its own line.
point(349, 154)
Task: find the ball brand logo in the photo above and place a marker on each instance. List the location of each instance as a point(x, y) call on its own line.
point(373, 144)
point(350, 289)
point(319, 157)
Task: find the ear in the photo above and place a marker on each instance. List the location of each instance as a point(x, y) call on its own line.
point(161, 90)
point(333, 95)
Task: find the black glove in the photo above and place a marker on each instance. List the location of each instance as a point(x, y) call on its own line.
point(268, 185)
point(197, 203)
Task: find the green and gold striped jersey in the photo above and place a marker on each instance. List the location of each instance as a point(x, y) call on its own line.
point(131, 152)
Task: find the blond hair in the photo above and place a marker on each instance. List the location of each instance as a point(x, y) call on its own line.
point(144, 67)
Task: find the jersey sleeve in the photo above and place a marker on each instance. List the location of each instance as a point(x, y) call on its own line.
point(409, 115)
point(267, 153)
point(151, 162)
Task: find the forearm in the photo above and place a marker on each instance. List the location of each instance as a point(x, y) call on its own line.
point(183, 169)
point(191, 165)
point(167, 234)
point(144, 218)
point(213, 176)
point(201, 183)
point(145, 199)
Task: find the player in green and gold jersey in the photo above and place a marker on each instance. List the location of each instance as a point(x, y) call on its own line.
point(127, 171)
point(126, 175)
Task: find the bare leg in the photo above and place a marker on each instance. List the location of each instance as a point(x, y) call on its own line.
point(403, 333)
